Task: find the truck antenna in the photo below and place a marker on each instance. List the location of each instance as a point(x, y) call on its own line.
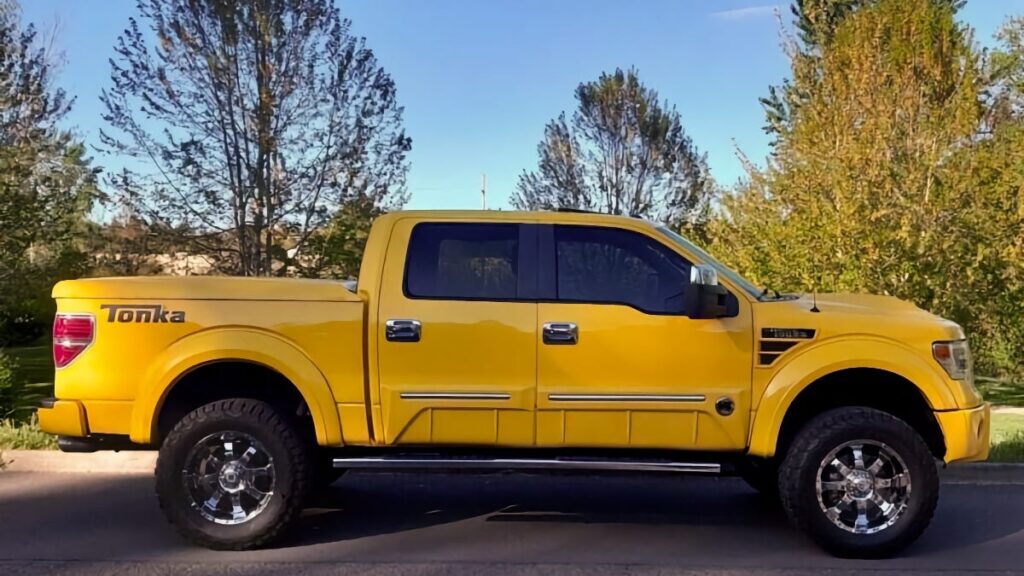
point(814, 300)
point(483, 191)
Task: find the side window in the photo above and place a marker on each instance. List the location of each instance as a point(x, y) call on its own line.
point(613, 266)
point(463, 261)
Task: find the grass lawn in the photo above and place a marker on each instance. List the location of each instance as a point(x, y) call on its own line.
point(1001, 392)
point(1007, 437)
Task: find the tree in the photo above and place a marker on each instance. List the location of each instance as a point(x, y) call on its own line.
point(881, 182)
point(622, 152)
point(251, 124)
point(816, 22)
point(46, 184)
point(1005, 71)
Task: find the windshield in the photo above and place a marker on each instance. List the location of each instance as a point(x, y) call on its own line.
point(706, 258)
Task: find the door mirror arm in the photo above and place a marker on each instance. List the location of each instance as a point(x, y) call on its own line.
point(705, 298)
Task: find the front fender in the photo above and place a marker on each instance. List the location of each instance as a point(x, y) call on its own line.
point(235, 344)
point(827, 357)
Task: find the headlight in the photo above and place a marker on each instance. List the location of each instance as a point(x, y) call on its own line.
point(955, 358)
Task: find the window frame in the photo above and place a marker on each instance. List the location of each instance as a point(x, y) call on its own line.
point(548, 272)
point(526, 256)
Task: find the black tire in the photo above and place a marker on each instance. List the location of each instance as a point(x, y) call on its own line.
point(799, 472)
point(761, 475)
point(277, 437)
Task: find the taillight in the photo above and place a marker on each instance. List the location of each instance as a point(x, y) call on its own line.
point(72, 334)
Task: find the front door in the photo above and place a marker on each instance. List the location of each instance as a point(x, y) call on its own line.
point(457, 334)
point(618, 363)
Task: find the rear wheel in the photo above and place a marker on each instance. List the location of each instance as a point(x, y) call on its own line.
point(233, 474)
point(860, 482)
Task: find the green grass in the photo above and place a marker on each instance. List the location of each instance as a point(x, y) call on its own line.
point(35, 363)
point(1007, 438)
point(1001, 392)
point(25, 436)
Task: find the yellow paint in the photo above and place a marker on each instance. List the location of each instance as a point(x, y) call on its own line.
point(65, 418)
point(329, 343)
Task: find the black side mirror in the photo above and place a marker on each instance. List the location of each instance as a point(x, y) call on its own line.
point(704, 297)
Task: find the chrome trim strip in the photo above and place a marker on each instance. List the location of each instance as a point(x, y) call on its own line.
point(455, 396)
point(414, 463)
point(626, 397)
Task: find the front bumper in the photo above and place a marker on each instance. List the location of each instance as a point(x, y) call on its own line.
point(966, 433)
point(62, 418)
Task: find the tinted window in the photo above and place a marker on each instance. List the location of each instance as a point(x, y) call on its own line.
point(607, 265)
point(463, 261)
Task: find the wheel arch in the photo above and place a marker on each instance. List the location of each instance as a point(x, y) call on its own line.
point(867, 372)
point(239, 351)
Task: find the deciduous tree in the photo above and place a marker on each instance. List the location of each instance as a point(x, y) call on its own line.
point(251, 124)
point(623, 151)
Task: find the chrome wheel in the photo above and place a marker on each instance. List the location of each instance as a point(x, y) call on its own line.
point(863, 486)
point(229, 477)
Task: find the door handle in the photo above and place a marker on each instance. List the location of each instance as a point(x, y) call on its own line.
point(561, 333)
point(402, 330)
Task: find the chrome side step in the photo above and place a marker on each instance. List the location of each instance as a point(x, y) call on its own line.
point(411, 462)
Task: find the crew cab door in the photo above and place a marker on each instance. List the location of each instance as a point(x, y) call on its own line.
point(457, 335)
point(618, 362)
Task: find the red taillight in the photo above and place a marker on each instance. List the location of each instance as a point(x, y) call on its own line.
point(72, 333)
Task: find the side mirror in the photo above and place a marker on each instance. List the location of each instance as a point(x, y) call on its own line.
point(704, 298)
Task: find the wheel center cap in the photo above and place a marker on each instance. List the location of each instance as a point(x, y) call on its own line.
point(860, 483)
point(230, 478)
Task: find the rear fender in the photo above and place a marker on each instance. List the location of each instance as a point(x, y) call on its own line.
point(235, 344)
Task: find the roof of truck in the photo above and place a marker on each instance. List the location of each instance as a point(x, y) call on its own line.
point(533, 215)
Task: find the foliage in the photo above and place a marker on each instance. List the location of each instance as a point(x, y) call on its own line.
point(17, 398)
point(253, 124)
point(622, 152)
point(25, 436)
point(1006, 74)
point(46, 183)
point(816, 23)
point(880, 183)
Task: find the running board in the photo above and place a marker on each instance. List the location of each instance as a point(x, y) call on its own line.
point(419, 462)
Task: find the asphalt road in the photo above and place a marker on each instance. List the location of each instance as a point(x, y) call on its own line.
point(412, 524)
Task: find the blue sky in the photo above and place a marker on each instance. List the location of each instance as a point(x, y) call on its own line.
point(480, 78)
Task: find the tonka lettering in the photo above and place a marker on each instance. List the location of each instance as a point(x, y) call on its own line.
point(142, 314)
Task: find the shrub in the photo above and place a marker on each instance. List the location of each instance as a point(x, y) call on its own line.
point(17, 398)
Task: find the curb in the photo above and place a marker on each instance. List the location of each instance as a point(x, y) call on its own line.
point(144, 461)
point(128, 462)
point(983, 473)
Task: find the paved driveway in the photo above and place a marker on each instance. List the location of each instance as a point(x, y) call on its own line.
point(405, 524)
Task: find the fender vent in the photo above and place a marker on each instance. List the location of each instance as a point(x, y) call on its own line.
point(775, 341)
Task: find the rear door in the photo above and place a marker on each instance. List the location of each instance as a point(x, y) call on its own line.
point(457, 334)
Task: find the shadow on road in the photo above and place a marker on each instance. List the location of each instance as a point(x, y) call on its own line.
point(510, 518)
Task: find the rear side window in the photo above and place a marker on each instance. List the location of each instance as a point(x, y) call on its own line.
point(614, 266)
point(463, 261)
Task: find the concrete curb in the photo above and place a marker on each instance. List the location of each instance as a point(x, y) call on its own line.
point(143, 462)
point(983, 473)
point(129, 462)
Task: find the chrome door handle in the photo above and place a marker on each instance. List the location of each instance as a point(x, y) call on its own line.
point(402, 330)
point(561, 333)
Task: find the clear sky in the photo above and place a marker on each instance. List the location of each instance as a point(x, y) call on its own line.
point(480, 78)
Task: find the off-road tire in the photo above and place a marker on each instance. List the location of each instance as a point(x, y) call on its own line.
point(282, 441)
point(826, 432)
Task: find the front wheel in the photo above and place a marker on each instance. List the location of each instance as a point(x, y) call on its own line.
point(860, 482)
point(233, 474)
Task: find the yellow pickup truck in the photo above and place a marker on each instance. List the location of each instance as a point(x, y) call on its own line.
point(542, 341)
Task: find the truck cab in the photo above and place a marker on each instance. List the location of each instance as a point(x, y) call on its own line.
point(517, 340)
